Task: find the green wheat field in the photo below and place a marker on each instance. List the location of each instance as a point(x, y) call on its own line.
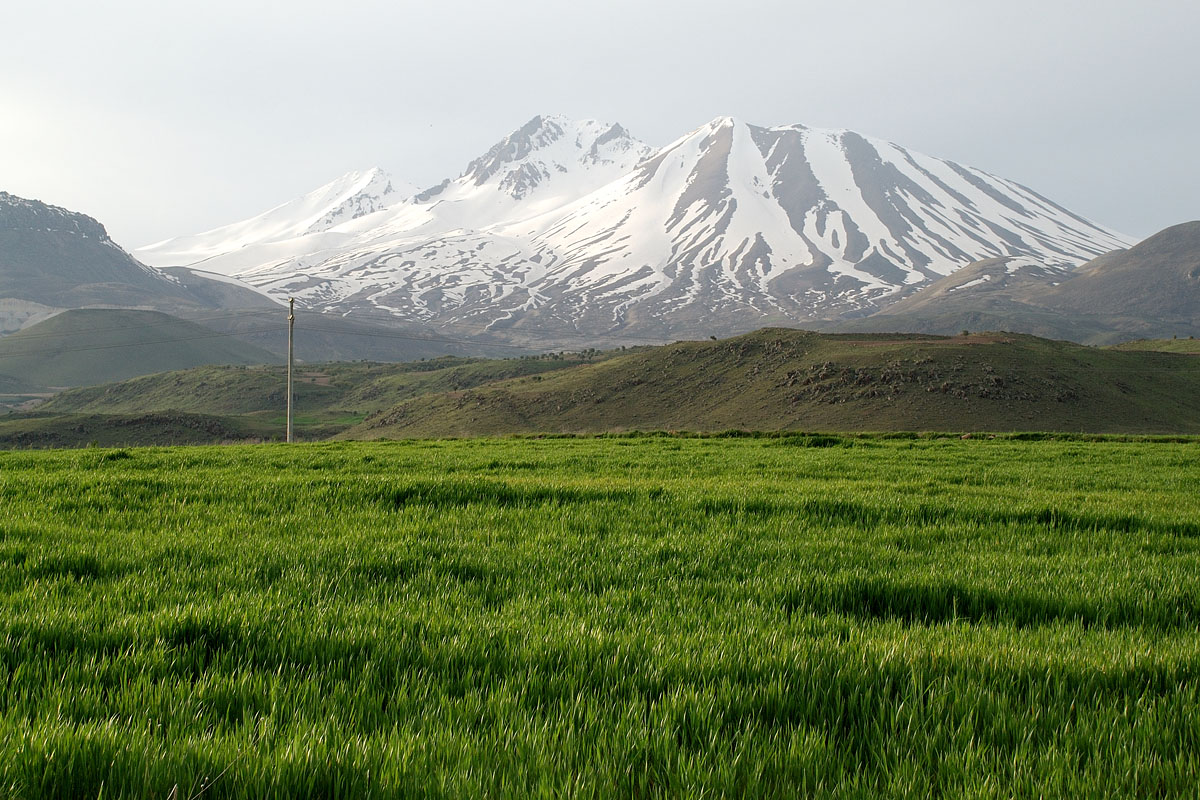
point(641, 616)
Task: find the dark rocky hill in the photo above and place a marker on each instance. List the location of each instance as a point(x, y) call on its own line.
point(63, 259)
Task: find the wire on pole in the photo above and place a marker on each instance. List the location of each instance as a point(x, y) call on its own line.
point(291, 326)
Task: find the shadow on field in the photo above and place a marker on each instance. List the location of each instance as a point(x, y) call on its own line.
point(879, 598)
point(821, 510)
point(460, 494)
point(73, 566)
point(840, 511)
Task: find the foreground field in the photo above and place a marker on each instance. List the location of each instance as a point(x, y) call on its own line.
point(795, 616)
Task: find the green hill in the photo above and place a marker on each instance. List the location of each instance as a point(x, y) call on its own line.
point(1188, 345)
point(778, 379)
point(327, 337)
point(11, 385)
point(328, 397)
point(87, 346)
point(770, 380)
point(339, 388)
point(120, 430)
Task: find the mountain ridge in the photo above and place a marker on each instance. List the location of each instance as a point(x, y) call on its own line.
point(52, 259)
point(347, 197)
point(60, 259)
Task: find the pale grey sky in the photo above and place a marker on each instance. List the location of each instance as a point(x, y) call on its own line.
point(163, 118)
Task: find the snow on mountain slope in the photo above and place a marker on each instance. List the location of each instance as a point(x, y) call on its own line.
point(349, 197)
point(548, 162)
point(748, 221)
point(222, 291)
point(576, 224)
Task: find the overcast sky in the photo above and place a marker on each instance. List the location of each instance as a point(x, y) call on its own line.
point(162, 118)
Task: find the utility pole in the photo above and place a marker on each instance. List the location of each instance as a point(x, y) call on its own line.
point(291, 325)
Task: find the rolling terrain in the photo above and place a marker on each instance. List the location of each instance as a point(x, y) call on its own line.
point(778, 379)
point(88, 346)
point(220, 403)
point(1189, 345)
point(770, 380)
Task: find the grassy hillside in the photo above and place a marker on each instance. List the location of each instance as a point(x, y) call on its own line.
point(21, 431)
point(10, 384)
point(953, 318)
point(327, 337)
point(633, 618)
point(778, 379)
point(338, 388)
point(775, 379)
point(1189, 345)
point(252, 399)
point(88, 346)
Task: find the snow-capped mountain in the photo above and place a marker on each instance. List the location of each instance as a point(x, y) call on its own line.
point(349, 197)
point(733, 226)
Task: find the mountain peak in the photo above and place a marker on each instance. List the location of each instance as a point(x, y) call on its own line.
point(549, 149)
point(533, 135)
point(19, 213)
point(349, 196)
point(539, 135)
point(355, 195)
point(60, 258)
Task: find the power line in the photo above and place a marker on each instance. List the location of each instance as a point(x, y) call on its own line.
point(173, 321)
point(379, 334)
point(1125, 370)
point(381, 316)
point(56, 351)
point(382, 335)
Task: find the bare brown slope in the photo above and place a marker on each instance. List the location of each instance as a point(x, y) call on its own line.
point(1151, 290)
point(994, 294)
point(1158, 279)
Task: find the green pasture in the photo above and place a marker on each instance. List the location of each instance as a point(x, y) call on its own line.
point(792, 616)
